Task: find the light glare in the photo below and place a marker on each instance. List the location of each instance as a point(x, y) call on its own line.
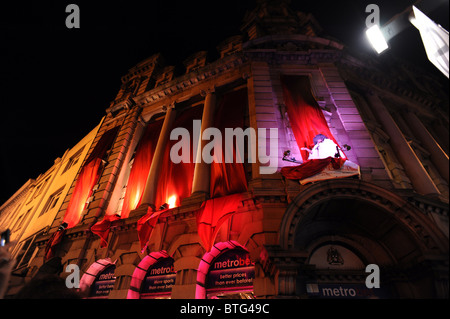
point(172, 201)
point(376, 38)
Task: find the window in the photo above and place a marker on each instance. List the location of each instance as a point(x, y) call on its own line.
point(73, 160)
point(21, 220)
point(52, 201)
point(39, 189)
point(26, 253)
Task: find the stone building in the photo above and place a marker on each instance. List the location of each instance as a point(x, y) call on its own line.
point(149, 227)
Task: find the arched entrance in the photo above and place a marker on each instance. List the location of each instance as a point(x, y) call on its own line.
point(342, 226)
point(225, 272)
point(98, 281)
point(153, 278)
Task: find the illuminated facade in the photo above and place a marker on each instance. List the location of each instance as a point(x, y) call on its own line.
point(33, 208)
point(238, 229)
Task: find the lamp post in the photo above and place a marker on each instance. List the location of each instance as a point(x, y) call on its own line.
point(434, 37)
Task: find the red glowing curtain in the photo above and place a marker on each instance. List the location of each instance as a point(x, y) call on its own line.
point(136, 180)
point(141, 167)
point(87, 178)
point(213, 214)
point(175, 179)
point(305, 116)
point(229, 178)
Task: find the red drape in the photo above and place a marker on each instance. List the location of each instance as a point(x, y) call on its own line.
point(87, 178)
point(141, 167)
point(103, 227)
point(54, 240)
point(310, 168)
point(305, 116)
point(213, 213)
point(229, 178)
point(136, 180)
point(145, 225)
point(176, 179)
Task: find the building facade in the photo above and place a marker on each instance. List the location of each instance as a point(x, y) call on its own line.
point(145, 215)
point(33, 208)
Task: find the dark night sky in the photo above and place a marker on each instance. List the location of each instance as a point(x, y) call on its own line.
point(57, 82)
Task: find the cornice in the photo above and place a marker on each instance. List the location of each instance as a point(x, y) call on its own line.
point(387, 85)
point(18, 195)
point(309, 57)
point(192, 79)
point(296, 40)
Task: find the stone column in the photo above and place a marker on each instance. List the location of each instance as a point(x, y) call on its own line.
point(253, 122)
point(419, 177)
point(438, 156)
point(148, 198)
point(202, 172)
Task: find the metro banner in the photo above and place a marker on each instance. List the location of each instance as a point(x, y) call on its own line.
point(346, 291)
point(160, 278)
point(104, 283)
point(230, 270)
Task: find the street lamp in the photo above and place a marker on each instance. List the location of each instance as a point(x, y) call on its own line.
point(376, 38)
point(434, 37)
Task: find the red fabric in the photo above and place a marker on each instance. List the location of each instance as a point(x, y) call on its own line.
point(54, 240)
point(145, 225)
point(136, 180)
point(103, 227)
point(229, 178)
point(87, 178)
point(310, 168)
point(141, 167)
point(83, 188)
point(213, 213)
point(305, 116)
point(176, 179)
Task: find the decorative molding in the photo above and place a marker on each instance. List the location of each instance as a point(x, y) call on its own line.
point(368, 77)
point(427, 234)
point(192, 79)
point(307, 57)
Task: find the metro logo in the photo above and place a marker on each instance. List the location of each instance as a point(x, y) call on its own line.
point(232, 263)
point(162, 270)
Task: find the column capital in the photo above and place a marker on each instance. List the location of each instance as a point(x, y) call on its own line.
point(166, 108)
point(208, 90)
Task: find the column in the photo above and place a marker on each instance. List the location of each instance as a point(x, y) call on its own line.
point(438, 156)
point(419, 177)
point(253, 121)
point(148, 198)
point(202, 172)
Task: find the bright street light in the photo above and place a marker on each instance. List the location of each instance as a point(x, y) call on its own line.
point(376, 38)
point(434, 37)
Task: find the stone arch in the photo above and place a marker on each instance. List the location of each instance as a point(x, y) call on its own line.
point(141, 271)
point(375, 224)
point(205, 264)
point(91, 274)
point(427, 236)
